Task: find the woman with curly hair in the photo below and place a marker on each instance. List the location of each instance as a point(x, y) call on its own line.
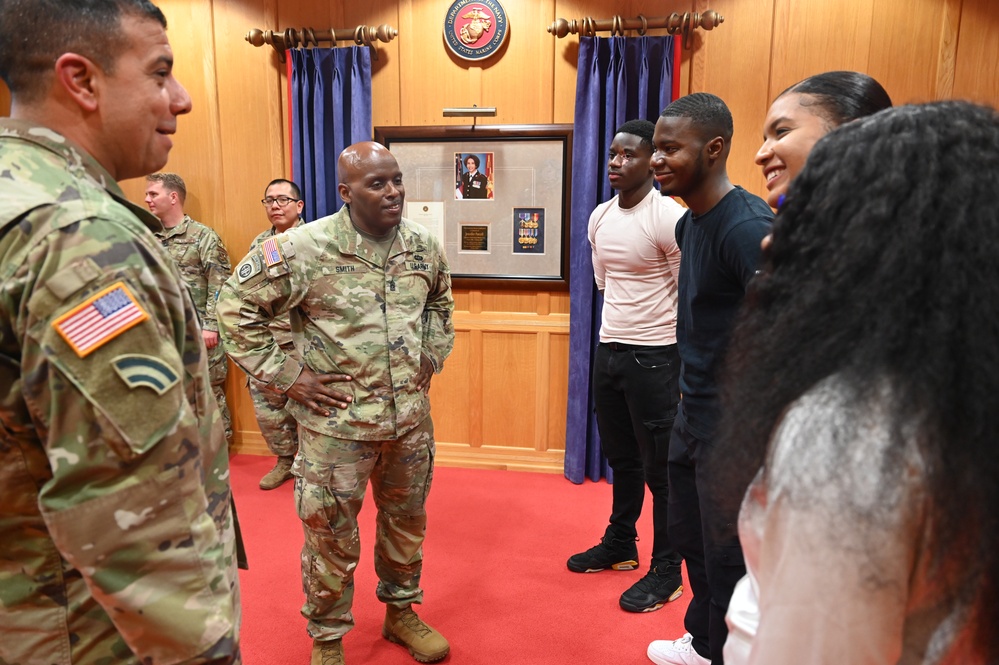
point(861, 402)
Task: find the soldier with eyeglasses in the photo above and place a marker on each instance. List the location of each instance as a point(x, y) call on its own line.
point(283, 204)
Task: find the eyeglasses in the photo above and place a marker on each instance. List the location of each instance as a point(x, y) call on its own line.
point(280, 200)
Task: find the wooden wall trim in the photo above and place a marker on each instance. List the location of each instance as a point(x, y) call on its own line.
point(512, 322)
point(497, 457)
point(947, 54)
point(449, 453)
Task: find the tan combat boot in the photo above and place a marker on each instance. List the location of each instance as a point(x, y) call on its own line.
point(402, 626)
point(327, 653)
point(276, 476)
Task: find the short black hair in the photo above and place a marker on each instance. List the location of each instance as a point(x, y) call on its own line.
point(473, 158)
point(35, 33)
point(842, 96)
point(708, 112)
point(643, 129)
point(295, 189)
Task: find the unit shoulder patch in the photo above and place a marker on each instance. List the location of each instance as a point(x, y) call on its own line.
point(248, 268)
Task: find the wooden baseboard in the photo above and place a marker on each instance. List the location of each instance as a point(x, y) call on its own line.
point(499, 457)
point(450, 454)
point(249, 443)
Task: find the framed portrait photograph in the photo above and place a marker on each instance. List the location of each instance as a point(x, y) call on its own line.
point(473, 174)
point(497, 196)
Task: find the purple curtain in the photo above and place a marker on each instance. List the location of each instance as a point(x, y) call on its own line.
point(330, 109)
point(618, 79)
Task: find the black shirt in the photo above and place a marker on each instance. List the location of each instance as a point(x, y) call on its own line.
point(719, 254)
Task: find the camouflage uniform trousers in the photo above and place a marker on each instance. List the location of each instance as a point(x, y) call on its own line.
point(332, 478)
point(218, 368)
point(277, 425)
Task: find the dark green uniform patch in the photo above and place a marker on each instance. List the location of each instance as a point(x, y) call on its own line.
point(138, 371)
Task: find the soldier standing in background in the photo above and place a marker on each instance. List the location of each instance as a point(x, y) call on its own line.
point(204, 265)
point(116, 536)
point(283, 204)
point(371, 294)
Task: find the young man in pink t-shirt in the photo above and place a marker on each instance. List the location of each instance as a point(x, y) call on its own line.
point(636, 367)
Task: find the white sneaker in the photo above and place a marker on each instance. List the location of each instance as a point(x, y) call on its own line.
point(676, 652)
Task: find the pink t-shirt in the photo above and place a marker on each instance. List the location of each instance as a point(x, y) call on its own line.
point(636, 263)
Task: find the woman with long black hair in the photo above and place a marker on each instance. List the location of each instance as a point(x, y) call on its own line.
point(861, 402)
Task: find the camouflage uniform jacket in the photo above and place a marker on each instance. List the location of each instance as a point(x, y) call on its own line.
point(203, 262)
point(116, 539)
point(281, 326)
point(356, 316)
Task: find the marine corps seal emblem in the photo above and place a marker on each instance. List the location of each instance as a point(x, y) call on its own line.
point(475, 30)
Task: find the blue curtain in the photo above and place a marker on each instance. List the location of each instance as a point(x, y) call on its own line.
point(618, 79)
point(330, 110)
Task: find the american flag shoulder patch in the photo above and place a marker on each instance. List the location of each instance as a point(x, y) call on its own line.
point(272, 252)
point(99, 319)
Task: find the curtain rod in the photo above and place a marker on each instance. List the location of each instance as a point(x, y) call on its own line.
point(675, 23)
point(291, 38)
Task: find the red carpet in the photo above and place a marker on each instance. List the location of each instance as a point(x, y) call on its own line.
point(494, 575)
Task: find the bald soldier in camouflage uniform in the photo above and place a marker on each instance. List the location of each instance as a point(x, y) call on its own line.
point(116, 536)
point(371, 294)
point(204, 264)
point(283, 204)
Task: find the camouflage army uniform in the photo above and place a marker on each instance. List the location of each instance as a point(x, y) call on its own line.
point(370, 319)
point(116, 537)
point(277, 424)
point(204, 265)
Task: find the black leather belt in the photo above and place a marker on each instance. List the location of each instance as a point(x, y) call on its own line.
point(619, 346)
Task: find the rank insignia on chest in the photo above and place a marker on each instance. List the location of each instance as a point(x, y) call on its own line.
point(99, 319)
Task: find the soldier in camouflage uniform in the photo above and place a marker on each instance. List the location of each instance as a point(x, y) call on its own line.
point(283, 204)
point(204, 264)
point(116, 535)
point(370, 294)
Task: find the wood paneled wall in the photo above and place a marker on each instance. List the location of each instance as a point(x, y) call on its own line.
point(501, 399)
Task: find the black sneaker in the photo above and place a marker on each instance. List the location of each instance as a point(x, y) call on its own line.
point(610, 553)
point(653, 591)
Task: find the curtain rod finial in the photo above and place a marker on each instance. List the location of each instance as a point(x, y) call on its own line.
point(711, 19)
point(386, 33)
point(559, 28)
point(255, 37)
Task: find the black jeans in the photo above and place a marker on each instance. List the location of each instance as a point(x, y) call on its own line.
point(706, 534)
point(635, 393)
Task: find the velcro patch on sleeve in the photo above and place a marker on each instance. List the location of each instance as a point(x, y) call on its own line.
point(272, 252)
point(248, 268)
point(99, 319)
point(141, 371)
